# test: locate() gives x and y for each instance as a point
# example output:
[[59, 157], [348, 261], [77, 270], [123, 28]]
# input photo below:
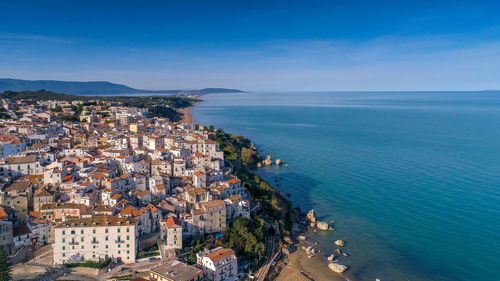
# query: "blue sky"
[[255, 45]]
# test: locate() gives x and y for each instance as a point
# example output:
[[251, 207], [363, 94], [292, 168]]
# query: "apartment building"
[[95, 238], [171, 233], [218, 264]]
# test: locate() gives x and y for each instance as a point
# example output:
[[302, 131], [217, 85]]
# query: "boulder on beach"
[[339, 243], [337, 267], [322, 225], [279, 162], [302, 238], [311, 216], [331, 258]]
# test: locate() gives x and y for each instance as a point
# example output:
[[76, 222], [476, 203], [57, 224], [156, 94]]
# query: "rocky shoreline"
[[302, 259]]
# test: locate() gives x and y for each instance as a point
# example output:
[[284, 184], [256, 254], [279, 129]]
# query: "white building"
[[18, 166], [218, 264], [95, 238]]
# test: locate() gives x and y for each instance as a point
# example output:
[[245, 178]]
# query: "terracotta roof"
[[19, 160], [35, 214], [160, 187], [220, 254], [116, 196], [3, 214], [97, 221], [213, 203], [173, 222], [233, 181]]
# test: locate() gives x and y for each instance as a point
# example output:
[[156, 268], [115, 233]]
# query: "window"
[[118, 230], [107, 246], [107, 238], [64, 248], [81, 231], [81, 239], [128, 230], [93, 231], [63, 233], [72, 232], [128, 237], [106, 230]]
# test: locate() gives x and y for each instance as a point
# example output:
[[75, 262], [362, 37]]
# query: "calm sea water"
[[412, 179]]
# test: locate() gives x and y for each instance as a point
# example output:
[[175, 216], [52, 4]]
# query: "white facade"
[[218, 264], [95, 238]]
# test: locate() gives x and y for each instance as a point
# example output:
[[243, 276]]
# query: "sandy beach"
[[297, 267], [186, 115]]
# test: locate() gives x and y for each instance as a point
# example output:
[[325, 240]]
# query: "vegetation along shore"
[[287, 226], [269, 240]]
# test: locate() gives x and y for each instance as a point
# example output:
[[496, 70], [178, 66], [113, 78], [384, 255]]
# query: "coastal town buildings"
[[113, 183], [95, 238], [218, 264]]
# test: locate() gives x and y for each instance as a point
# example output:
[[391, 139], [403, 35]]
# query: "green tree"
[[248, 156], [5, 267], [246, 238]]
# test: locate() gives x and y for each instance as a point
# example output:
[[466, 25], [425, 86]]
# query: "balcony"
[[119, 241], [73, 243], [94, 242]]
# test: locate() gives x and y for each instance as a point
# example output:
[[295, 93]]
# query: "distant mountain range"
[[93, 88]]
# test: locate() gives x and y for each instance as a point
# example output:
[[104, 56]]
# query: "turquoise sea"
[[412, 179]]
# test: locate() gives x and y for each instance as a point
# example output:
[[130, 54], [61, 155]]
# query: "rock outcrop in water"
[[337, 267], [339, 243], [279, 162], [268, 161], [311, 216], [322, 225]]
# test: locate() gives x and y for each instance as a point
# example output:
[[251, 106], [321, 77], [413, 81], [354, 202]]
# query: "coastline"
[[294, 265], [186, 116]]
